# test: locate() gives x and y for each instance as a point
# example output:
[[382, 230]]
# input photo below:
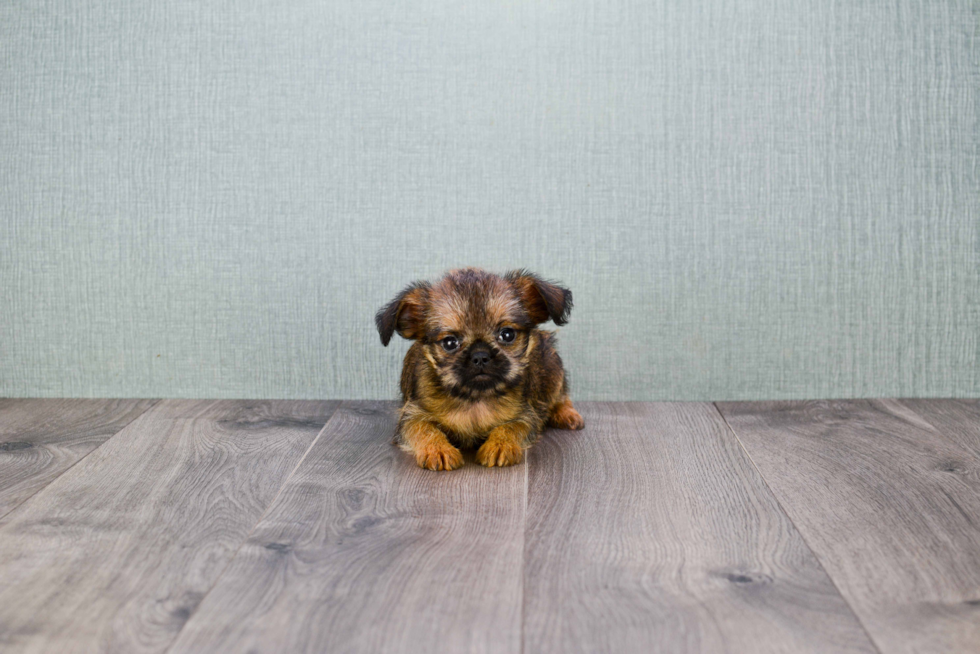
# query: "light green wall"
[[748, 199]]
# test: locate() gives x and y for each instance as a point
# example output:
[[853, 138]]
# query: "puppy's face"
[[474, 326]]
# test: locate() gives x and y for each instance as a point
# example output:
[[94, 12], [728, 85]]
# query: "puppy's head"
[[474, 326]]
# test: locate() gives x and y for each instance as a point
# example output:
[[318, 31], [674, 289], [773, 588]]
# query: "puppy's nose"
[[480, 358]]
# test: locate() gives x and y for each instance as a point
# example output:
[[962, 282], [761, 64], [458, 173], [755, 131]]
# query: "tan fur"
[[505, 445], [429, 445], [448, 312], [471, 421], [564, 416]]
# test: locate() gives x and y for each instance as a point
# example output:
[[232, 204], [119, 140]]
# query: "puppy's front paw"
[[499, 453], [439, 456], [566, 417]]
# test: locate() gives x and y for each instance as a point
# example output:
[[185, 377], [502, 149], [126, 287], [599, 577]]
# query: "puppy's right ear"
[[405, 314]]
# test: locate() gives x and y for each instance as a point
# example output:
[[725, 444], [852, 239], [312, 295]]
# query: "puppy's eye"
[[507, 335], [450, 343]]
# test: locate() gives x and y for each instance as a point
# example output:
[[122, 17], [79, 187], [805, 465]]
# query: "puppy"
[[480, 372]]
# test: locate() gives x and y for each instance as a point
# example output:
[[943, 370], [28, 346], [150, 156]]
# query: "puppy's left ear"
[[406, 314], [542, 299]]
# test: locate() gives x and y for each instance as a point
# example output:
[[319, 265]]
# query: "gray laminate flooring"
[[295, 526]]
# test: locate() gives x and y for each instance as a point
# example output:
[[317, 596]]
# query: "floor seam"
[[782, 508], [82, 458], [251, 531], [939, 431], [527, 491]]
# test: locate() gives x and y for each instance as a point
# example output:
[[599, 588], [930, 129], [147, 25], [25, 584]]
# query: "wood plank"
[[116, 553], [890, 506], [41, 438], [957, 420], [365, 552], [650, 531]]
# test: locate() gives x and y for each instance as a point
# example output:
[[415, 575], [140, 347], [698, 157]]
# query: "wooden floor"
[[289, 526]]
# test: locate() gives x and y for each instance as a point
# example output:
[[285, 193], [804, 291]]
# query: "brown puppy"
[[480, 371]]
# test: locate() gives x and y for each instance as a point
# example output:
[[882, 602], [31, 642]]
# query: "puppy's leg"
[[505, 445], [430, 446], [564, 416]]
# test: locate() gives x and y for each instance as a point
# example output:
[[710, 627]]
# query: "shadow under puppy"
[[480, 371]]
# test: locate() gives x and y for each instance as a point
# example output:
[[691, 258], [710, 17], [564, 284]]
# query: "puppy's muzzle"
[[480, 356], [483, 366]]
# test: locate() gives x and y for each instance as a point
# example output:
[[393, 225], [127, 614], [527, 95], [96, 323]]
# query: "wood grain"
[[115, 554], [41, 438], [957, 420], [366, 552], [890, 506], [650, 531]]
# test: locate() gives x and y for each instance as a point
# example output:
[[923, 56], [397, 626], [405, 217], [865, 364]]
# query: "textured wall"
[[749, 199]]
